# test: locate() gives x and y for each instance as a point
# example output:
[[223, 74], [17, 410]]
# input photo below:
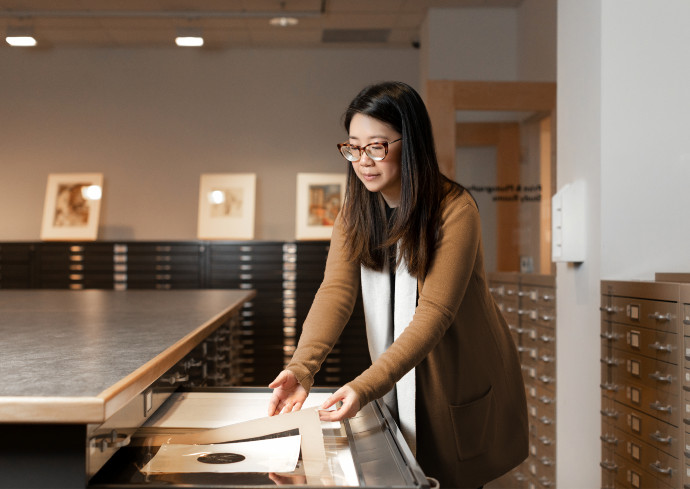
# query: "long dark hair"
[[417, 219]]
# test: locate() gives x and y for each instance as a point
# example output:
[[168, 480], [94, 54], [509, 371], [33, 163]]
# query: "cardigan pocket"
[[474, 425]]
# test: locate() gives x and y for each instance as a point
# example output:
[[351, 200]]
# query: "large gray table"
[[69, 359]]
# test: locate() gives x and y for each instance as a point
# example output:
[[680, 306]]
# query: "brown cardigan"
[[471, 410]]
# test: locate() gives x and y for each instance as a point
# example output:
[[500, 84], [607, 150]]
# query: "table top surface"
[[61, 346]]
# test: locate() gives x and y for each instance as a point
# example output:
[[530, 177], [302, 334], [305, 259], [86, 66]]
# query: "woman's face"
[[377, 176]]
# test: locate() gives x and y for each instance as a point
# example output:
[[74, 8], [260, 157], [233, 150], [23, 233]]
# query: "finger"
[[278, 381], [296, 407], [273, 405], [332, 399], [287, 407]]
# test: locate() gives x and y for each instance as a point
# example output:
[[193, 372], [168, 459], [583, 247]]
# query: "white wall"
[[577, 288], [472, 44], [645, 135], [536, 40], [153, 120]]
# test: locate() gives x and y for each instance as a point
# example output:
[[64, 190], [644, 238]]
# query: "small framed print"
[[226, 206], [72, 207], [319, 199]]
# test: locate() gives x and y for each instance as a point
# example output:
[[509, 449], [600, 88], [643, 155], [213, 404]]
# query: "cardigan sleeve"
[[330, 311], [439, 300]]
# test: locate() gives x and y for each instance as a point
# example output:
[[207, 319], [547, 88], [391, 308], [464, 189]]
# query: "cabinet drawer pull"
[[610, 439], [610, 336], [546, 379], [545, 440], [607, 309], [660, 317], [546, 482], [657, 406], [546, 400], [547, 359], [658, 436], [547, 339], [546, 421], [611, 361], [610, 466], [609, 387], [686, 321], [609, 413], [547, 318], [657, 467], [666, 379], [659, 347]]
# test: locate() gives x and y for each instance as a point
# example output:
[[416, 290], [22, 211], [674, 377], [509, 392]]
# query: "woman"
[[442, 356]]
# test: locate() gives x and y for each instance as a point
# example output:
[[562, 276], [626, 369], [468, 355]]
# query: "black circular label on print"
[[220, 458]]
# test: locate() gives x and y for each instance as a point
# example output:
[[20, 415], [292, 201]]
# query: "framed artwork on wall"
[[319, 199], [72, 206], [226, 206]]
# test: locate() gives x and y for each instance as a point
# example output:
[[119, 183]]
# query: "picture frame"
[[319, 199], [227, 204], [72, 207]]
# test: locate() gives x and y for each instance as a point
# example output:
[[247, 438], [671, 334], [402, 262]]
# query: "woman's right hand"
[[288, 394]]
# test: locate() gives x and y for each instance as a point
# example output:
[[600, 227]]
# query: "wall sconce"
[[20, 37], [189, 37]]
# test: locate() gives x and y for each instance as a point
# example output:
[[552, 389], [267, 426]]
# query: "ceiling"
[[227, 23]]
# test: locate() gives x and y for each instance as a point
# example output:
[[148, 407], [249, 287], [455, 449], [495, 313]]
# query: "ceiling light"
[[20, 37], [189, 37], [284, 21]]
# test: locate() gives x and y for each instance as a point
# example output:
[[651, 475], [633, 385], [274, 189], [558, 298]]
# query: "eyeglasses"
[[375, 151]]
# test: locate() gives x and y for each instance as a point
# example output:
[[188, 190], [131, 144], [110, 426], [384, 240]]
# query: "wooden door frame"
[[445, 97]]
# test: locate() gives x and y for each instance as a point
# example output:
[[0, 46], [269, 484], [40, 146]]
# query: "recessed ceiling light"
[[189, 37], [20, 37], [283, 21]]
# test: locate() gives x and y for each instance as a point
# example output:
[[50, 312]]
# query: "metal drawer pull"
[[546, 400], [546, 440], [661, 378], [659, 347], [658, 436], [547, 298], [657, 467], [657, 406], [546, 461], [547, 318], [610, 466], [686, 321], [547, 339], [610, 439], [609, 387], [547, 380], [660, 317], [545, 482], [611, 336], [545, 420], [608, 309], [609, 413], [611, 361], [547, 359]]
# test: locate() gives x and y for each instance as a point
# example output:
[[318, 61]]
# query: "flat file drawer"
[[636, 424], [662, 405], [628, 475], [643, 312], [647, 458], [653, 343], [632, 368]]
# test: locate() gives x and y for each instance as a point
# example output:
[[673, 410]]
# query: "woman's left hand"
[[349, 408]]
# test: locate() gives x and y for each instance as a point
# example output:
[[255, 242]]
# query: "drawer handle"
[[611, 336], [547, 380], [523, 312], [546, 400], [658, 436], [660, 317], [610, 466], [609, 387], [657, 406], [547, 339], [666, 379], [547, 298], [609, 413], [659, 347], [545, 440], [523, 349], [547, 359], [546, 421], [657, 467], [607, 309], [547, 318], [686, 321], [546, 482], [611, 361], [610, 439], [546, 461]]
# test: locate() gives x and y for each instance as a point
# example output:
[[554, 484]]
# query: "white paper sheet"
[[271, 455]]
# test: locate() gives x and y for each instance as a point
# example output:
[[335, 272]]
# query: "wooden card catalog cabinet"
[[645, 389]]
